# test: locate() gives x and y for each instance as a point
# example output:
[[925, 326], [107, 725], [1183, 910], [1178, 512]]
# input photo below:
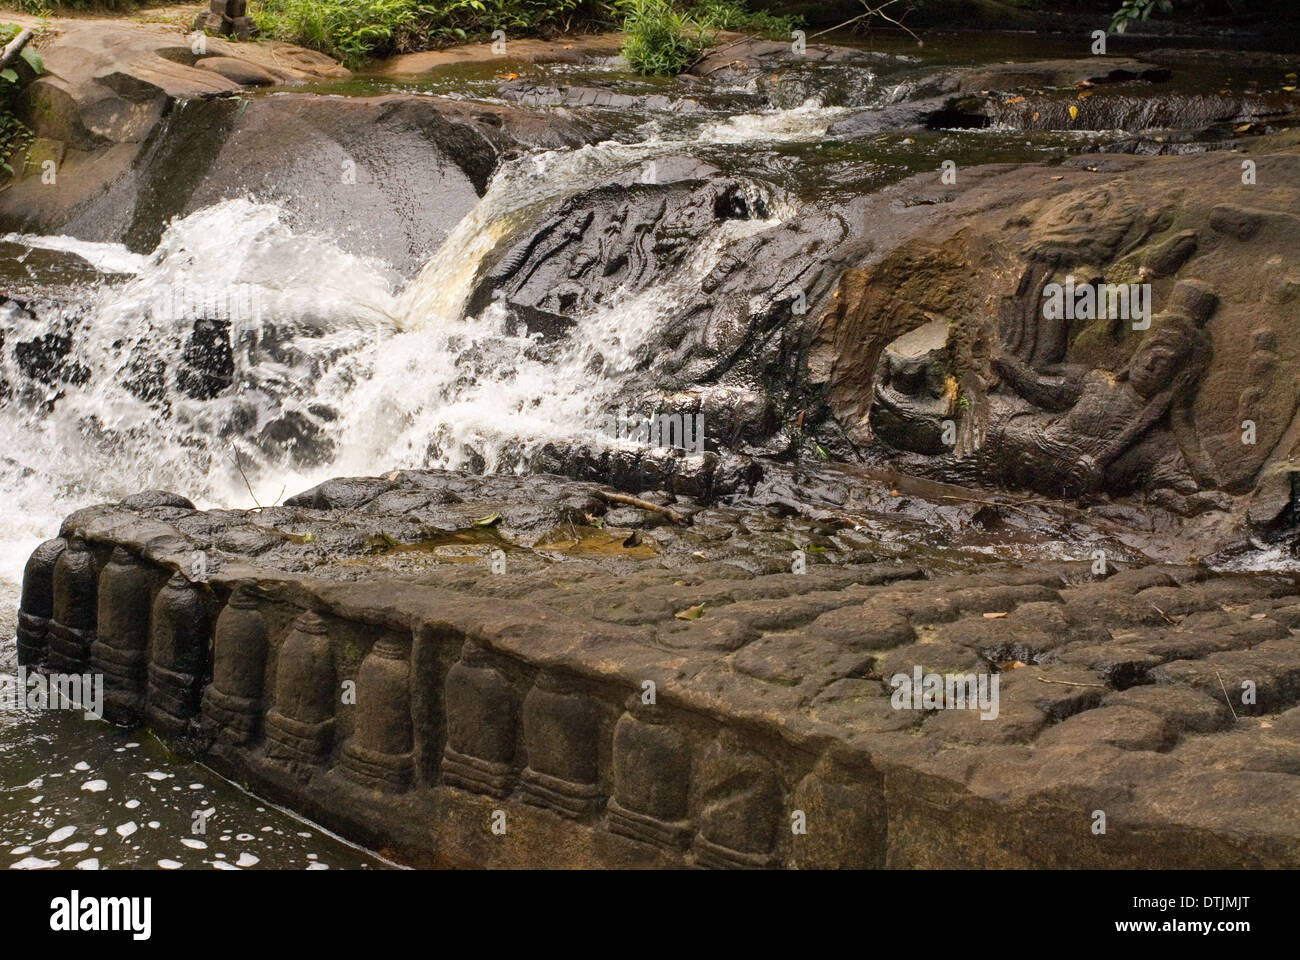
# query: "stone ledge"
[[465, 700]]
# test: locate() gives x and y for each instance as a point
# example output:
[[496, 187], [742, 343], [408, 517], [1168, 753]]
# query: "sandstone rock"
[[240, 71], [995, 356], [527, 691]]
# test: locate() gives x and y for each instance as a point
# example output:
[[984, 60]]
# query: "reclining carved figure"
[[1067, 431]]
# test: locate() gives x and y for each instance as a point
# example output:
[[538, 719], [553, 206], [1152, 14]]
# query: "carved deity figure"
[[1098, 428], [1064, 429]]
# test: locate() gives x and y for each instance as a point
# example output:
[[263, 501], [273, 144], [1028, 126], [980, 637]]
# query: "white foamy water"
[[808, 121], [328, 347], [295, 303], [105, 257]]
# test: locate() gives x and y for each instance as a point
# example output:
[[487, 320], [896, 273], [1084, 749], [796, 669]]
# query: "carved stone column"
[[481, 717], [378, 754], [232, 702], [742, 807], [72, 625], [37, 604], [561, 730], [652, 771], [121, 648], [179, 637], [301, 726]]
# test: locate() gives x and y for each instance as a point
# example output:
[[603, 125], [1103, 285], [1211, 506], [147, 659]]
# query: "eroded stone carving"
[[481, 716], [72, 625], [741, 807], [1066, 430], [179, 634], [300, 728], [652, 770], [232, 703], [379, 753], [121, 650], [561, 727], [37, 604], [843, 805]]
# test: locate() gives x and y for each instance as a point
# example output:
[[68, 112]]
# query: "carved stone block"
[[37, 604], [72, 626], [379, 754], [652, 769], [561, 727], [179, 634], [121, 648], [481, 711], [300, 728], [232, 703]]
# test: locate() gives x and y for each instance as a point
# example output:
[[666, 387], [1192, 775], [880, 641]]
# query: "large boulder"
[[145, 129], [1183, 397]]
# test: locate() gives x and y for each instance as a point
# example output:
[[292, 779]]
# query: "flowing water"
[[368, 372]]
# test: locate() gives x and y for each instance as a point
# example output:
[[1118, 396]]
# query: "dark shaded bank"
[[1192, 17]]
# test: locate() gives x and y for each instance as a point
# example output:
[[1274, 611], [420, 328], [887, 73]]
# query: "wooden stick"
[[14, 47], [631, 501], [1226, 698], [1071, 683]]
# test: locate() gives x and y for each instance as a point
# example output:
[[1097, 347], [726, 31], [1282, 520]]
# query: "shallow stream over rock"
[[534, 247]]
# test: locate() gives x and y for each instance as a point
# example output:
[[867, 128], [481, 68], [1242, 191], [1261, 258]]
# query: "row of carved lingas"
[[651, 765], [300, 727], [651, 758], [74, 617], [152, 652]]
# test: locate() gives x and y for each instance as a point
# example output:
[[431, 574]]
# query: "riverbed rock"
[[633, 707], [1008, 394], [149, 130]]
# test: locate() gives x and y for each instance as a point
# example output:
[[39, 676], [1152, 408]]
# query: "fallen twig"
[[637, 502], [1163, 614], [14, 47], [1071, 683], [876, 12], [239, 465], [1226, 698]]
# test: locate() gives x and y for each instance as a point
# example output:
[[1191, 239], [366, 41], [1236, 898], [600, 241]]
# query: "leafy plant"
[[46, 7], [357, 30], [14, 134], [1131, 10], [733, 15], [660, 39]]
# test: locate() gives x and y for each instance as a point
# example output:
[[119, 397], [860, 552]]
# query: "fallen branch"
[[876, 12], [1072, 683], [239, 465], [1226, 698], [637, 502], [1168, 618], [14, 47]]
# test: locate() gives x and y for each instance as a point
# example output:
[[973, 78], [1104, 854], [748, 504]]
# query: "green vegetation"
[[14, 134], [733, 15], [356, 30], [664, 36], [661, 39], [1137, 10], [44, 8]]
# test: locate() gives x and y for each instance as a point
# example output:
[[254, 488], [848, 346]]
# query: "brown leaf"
[[995, 616], [690, 613]]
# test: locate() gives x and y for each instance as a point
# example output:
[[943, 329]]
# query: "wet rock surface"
[[143, 129], [634, 690], [654, 658], [1152, 405]]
